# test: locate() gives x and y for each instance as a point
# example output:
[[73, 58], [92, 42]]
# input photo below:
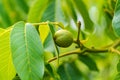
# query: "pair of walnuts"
[[63, 38]]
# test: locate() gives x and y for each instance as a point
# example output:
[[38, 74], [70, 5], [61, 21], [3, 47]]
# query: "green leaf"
[[49, 13], [117, 77], [47, 38], [27, 51], [52, 29], [44, 31], [69, 10], [7, 71], [49, 44], [59, 15], [36, 11], [5, 19], [116, 19], [89, 62], [108, 29], [118, 66], [69, 71], [83, 10], [49, 68], [19, 7], [22, 5], [62, 72], [54, 13], [12, 9]]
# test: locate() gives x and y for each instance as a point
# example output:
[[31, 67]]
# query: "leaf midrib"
[[27, 52]]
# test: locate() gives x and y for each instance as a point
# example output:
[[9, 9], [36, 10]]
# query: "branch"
[[79, 27], [66, 54], [45, 23], [90, 50], [116, 44], [77, 51]]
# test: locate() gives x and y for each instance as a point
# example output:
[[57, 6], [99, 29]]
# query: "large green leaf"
[[116, 19], [7, 71], [83, 11], [27, 51], [37, 10]]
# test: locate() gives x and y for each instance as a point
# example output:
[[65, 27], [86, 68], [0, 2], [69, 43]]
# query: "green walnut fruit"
[[63, 38]]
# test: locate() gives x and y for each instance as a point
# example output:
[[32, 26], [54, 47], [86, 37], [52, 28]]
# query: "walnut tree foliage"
[[28, 50]]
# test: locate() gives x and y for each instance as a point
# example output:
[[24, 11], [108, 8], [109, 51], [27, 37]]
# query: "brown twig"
[[78, 36]]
